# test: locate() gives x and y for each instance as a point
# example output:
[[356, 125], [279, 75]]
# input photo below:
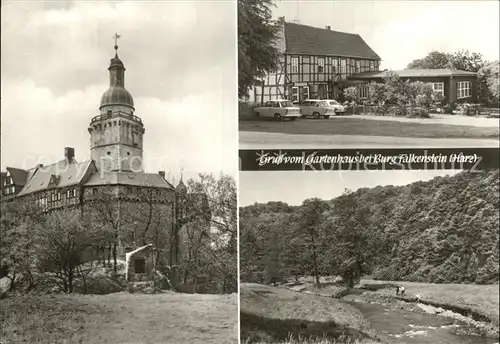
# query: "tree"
[[107, 219], [489, 80], [212, 230], [466, 60], [61, 242], [17, 250], [310, 218], [433, 60], [257, 51], [351, 93]]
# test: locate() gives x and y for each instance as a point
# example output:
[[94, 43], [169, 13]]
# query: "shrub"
[[420, 112], [351, 94]]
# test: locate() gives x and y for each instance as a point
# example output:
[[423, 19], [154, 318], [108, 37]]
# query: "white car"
[[278, 110], [321, 108]]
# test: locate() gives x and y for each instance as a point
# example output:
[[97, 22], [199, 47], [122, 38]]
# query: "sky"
[[293, 187], [181, 71], [402, 31]]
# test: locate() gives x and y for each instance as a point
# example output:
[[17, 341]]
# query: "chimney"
[[69, 153], [328, 27], [39, 165], [282, 19], [162, 174]]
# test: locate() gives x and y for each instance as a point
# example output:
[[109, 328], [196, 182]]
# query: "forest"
[[440, 231]]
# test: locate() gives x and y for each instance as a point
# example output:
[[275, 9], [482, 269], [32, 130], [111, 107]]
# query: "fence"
[[393, 111], [417, 111]]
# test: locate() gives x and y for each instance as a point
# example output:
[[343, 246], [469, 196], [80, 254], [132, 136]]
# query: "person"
[[397, 290], [402, 290]]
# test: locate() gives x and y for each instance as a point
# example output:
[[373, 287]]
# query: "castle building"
[[144, 208]]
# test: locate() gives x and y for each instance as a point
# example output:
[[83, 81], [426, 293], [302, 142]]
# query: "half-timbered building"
[[314, 63]]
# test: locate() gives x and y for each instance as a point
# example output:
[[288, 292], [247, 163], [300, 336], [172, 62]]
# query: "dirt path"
[[438, 118], [262, 140], [369, 132]]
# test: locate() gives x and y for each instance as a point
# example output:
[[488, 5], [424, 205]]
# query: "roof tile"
[[303, 39], [128, 178]]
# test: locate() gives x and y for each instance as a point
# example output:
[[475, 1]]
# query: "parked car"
[[278, 110], [321, 108]]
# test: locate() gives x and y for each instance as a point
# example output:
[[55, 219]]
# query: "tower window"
[[109, 153], [109, 112], [128, 153], [94, 191]]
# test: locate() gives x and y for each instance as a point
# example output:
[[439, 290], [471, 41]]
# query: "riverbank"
[[385, 317], [271, 315], [482, 300]]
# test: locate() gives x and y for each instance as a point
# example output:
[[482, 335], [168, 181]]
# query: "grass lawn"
[[120, 318], [358, 126], [483, 299], [271, 315]]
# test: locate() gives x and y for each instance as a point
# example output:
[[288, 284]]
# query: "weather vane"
[[116, 36]]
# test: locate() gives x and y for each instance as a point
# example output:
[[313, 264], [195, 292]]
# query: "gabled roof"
[[128, 178], [67, 174], [19, 177], [303, 39], [142, 248], [414, 73]]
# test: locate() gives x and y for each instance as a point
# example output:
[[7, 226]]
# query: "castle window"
[[94, 191], [128, 153], [74, 193], [109, 112], [68, 194], [58, 196], [109, 153]]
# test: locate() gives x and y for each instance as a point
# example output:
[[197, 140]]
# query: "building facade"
[[453, 85], [145, 206], [313, 63]]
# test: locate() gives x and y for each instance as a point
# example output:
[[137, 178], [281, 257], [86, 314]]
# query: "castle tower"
[[116, 135], [181, 191]]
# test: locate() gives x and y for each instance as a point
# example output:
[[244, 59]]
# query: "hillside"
[[120, 318], [442, 231]]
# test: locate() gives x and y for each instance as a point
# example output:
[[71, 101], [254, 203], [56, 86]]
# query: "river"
[[407, 327]]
